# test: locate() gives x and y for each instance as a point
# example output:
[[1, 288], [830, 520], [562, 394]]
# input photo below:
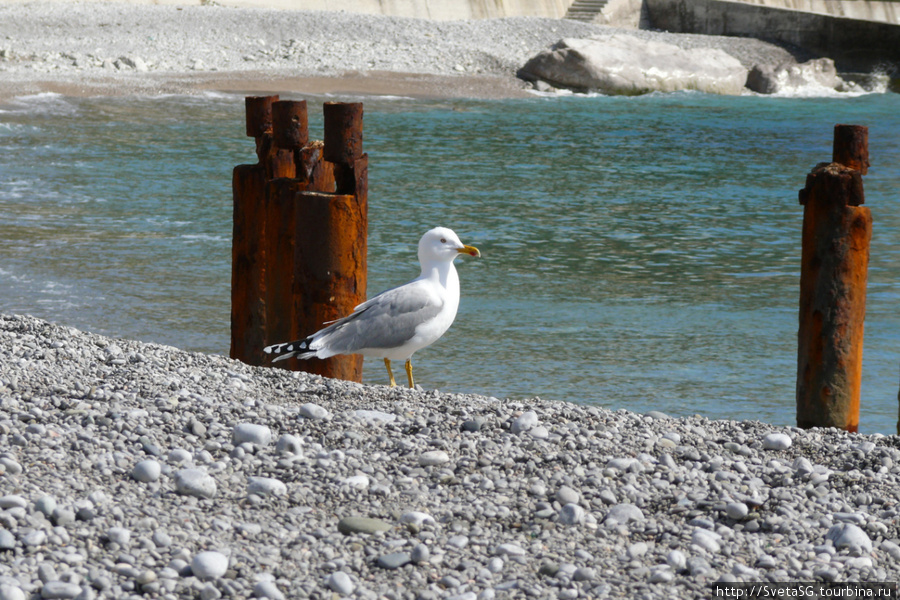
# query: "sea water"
[[638, 253]]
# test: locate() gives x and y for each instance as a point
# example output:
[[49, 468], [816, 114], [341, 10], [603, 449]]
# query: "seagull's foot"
[[409, 376], [387, 363]]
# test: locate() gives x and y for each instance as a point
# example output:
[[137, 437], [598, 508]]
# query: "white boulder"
[[626, 65]]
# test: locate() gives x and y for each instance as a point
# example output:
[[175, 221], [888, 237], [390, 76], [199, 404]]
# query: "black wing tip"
[[282, 351]]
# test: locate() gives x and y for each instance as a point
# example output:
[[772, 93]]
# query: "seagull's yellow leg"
[[409, 373], [387, 363]]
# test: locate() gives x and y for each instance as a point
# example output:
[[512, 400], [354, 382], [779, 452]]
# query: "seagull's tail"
[[298, 348]]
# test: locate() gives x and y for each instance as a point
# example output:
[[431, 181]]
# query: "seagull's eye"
[[443, 240]]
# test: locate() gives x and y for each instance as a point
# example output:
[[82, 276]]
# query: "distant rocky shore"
[[113, 48]]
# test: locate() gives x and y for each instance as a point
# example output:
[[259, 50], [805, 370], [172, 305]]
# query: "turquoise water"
[[639, 253]]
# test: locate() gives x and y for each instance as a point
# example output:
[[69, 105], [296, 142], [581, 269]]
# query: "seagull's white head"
[[442, 245]]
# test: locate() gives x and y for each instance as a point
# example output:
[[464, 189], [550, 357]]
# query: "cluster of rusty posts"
[[300, 243], [833, 273], [300, 231]]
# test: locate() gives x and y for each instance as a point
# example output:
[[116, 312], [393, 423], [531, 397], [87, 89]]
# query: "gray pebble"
[[349, 525], [848, 535], [341, 583], [571, 514], [59, 590], [313, 411], [395, 560], [7, 540], [566, 495]]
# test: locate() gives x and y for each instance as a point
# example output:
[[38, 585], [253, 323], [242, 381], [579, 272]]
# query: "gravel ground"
[[132, 470], [114, 47]]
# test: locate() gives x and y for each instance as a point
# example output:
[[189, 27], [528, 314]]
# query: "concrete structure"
[[854, 44]]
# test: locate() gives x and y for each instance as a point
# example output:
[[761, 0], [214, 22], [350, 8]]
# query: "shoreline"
[[135, 468], [414, 85]]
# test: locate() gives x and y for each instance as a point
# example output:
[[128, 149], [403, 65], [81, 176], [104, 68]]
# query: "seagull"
[[399, 321]]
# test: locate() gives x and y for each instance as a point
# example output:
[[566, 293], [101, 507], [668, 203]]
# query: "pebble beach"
[[103, 48], [133, 470]]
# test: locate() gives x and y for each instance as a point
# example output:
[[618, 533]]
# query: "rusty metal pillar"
[[248, 315], [833, 274], [332, 236]]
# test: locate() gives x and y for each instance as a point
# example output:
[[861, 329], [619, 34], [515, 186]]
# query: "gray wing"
[[387, 320]]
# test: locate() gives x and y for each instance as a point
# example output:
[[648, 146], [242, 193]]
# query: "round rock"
[[433, 458], [776, 441], [251, 433], [147, 471], [209, 565], [340, 583], [194, 482], [266, 486]]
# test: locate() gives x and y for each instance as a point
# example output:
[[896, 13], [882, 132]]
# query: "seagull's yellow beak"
[[470, 250]]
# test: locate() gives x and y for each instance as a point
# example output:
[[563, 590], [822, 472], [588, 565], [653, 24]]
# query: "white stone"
[[628, 65], [341, 583], [706, 539], [209, 565], [736, 510], [11, 592], [357, 482], [433, 458], [566, 495], [119, 535], [375, 416], [314, 411], [266, 486], [676, 559], [623, 513], [510, 550], [147, 471], [524, 422], [776, 441], [571, 514], [289, 445], [13, 501], [251, 433], [417, 518], [848, 535], [267, 589], [194, 482]]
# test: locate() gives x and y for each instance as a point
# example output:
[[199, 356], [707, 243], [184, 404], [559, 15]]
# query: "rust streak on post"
[[247, 266], [280, 211], [834, 267], [248, 315], [330, 271]]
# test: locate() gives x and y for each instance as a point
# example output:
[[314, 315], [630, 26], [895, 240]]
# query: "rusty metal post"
[[301, 230], [833, 274], [248, 317], [331, 236]]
